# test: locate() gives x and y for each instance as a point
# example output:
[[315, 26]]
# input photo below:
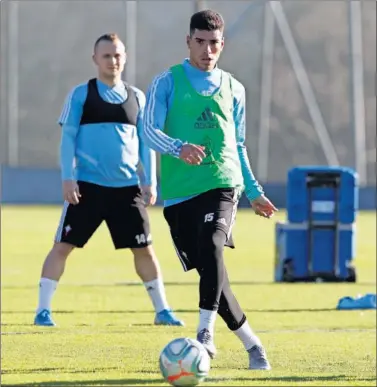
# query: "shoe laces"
[[204, 336], [259, 351]]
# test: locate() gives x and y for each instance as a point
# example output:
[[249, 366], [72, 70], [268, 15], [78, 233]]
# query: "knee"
[[218, 240], [146, 253], [61, 250], [211, 254], [214, 246]]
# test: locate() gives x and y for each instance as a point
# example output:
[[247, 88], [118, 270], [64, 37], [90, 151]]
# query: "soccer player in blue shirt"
[[195, 117], [100, 151]]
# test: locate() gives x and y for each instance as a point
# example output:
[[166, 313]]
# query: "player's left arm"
[[253, 190], [147, 156]]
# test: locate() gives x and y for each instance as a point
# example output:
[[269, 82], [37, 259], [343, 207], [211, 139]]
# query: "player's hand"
[[263, 207], [149, 195], [192, 154], [71, 192]]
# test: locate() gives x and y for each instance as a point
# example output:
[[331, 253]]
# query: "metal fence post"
[[357, 105], [130, 41], [12, 83], [266, 93]]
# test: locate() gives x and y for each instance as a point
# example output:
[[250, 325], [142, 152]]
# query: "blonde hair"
[[110, 37]]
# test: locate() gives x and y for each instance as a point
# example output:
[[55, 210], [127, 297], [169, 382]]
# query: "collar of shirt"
[[197, 72], [119, 87]]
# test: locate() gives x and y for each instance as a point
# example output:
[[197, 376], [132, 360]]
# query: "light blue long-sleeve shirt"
[[106, 154], [159, 100]]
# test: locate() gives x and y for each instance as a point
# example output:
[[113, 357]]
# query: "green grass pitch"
[[106, 335]]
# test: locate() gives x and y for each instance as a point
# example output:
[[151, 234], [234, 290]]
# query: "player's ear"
[[188, 39], [94, 58]]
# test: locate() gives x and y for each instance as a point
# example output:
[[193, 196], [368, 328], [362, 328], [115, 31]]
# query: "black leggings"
[[214, 288], [200, 227]]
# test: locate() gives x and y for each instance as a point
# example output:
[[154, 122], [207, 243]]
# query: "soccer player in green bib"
[[195, 117]]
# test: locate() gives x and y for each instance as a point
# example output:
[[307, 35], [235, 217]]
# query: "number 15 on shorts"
[[209, 217]]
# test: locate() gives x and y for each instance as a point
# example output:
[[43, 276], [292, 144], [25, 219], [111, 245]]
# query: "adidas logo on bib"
[[207, 120]]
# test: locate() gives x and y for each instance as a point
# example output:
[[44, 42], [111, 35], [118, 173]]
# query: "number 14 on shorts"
[[141, 238]]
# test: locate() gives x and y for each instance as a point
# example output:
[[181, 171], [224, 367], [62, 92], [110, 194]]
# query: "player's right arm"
[[156, 110], [69, 120]]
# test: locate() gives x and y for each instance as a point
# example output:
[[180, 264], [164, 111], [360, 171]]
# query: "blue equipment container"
[[318, 241]]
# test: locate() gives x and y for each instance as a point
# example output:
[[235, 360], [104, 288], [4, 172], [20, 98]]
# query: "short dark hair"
[[110, 37], [207, 20]]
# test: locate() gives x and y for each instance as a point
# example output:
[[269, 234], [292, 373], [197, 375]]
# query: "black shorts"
[[198, 217], [122, 209]]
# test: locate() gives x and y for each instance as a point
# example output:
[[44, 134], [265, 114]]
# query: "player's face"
[[205, 48], [110, 58]]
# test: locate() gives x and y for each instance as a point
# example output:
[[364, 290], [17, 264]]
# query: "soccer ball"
[[184, 362]]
